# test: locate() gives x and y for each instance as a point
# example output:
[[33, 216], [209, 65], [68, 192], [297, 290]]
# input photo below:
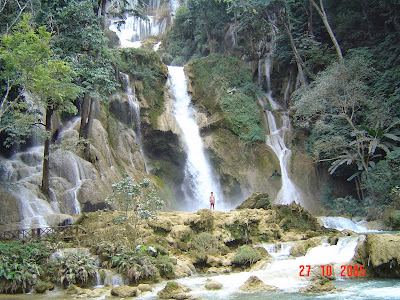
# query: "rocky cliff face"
[[82, 185]]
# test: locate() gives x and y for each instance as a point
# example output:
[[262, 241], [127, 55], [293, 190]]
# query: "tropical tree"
[[137, 198], [321, 11], [32, 65], [333, 108]]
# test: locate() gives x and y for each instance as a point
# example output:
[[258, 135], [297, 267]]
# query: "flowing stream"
[[199, 180]]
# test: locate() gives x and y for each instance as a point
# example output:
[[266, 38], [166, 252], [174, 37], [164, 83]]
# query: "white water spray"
[[276, 141], [133, 29], [199, 181]]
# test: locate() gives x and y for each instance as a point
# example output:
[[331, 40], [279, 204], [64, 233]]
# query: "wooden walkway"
[[58, 232]]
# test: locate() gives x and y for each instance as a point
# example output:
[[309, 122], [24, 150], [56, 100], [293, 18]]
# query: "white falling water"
[[276, 140], [135, 108], [341, 223], [199, 181], [133, 29], [281, 271]]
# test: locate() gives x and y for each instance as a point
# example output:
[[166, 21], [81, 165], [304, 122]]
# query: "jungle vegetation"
[[345, 52]]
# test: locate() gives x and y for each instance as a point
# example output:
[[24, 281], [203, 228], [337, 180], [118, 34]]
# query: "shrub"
[[246, 256], [73, 268], [394, 219], [21, 265], [203, 244]]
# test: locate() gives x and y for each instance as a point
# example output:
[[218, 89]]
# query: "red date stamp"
[[346, 271]]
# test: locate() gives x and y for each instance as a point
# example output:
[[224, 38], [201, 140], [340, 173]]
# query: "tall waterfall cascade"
[[199, 180], [133, 30], [276, 133]]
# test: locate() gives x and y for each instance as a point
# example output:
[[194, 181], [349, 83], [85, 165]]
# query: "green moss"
[[246, 256], [146, 67], [224, 85], [394, 219], [294, 217]]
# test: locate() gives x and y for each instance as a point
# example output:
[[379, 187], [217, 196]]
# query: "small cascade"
[[199, 180], [135, 108], [341, 223], [281, 271]]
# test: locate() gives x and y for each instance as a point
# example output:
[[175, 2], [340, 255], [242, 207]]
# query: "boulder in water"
[[319, 286], [174, 290], [380, 253], [124, 291], [254, 284], [213, 285], [43, 286]]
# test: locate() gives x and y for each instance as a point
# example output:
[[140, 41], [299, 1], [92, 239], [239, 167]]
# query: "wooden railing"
[[56, 232]]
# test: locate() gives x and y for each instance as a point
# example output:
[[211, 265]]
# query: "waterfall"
[[341, 223], [132, 30], [276, 140], [276, 135], [281, 270], [135, 108], [199, 180]]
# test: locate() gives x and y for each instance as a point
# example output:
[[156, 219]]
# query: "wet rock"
[[124, 291], [380, 254], [254, 284], [318, 273], [213, 285], [144, 287], [301, 247], [43, 286], [174, 290], [319, 286]]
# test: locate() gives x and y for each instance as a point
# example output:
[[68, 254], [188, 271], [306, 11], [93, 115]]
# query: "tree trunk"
[[46, 155], [208, 32], [321, 11], [299, 61], [87, 112]]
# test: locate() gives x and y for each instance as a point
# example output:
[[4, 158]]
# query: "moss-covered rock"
[[257, 200], [254, 284], [319, 286], [174, 290], [380, 254], [124, 291]]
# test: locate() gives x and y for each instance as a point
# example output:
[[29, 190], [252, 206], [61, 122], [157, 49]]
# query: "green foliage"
[[146, 67], [246, 256], [394, 219], [135, 265], [21, 265], [204, 244], [81, 41], [129, 196], [73, 268], [224, 83], [197, 31]]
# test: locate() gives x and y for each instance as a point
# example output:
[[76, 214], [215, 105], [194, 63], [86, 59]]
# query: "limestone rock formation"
[[254, 284], [380, 254], [124, 291], [174, 290], [319, 286], [213, 285]]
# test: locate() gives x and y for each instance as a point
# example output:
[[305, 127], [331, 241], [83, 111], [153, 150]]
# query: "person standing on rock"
[[212, 201]]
